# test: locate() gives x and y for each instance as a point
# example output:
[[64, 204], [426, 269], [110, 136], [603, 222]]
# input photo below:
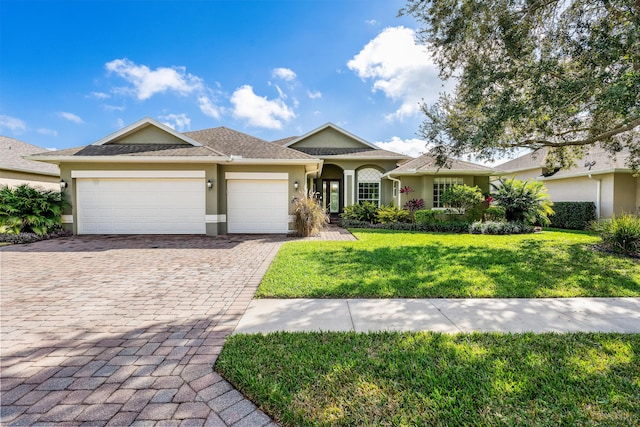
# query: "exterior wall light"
[[296, 184], [209, 184], [63, 184]]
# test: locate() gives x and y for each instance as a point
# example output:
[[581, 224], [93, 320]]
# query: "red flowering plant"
[[411, 205]]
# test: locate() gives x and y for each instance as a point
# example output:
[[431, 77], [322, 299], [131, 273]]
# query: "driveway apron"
[[124, 330]]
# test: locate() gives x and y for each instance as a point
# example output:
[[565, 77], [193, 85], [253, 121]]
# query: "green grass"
[[404, 264], [415, 379]]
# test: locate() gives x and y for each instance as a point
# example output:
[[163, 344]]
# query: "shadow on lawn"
[[530, 268], [435, 379]]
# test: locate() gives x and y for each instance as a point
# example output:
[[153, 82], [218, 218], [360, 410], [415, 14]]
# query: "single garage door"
[[257, 206], [140, 205]]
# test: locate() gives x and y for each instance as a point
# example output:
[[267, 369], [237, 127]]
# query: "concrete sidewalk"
[[443, 315]]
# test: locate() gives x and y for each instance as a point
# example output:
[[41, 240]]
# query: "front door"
[[331, 200]]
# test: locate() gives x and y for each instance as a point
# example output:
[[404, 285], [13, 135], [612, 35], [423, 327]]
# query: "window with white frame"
[[440, 184], [369, 185]]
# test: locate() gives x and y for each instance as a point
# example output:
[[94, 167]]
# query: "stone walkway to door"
[[124, 330]]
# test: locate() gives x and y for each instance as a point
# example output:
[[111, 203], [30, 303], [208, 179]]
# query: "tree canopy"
[[563, 74]]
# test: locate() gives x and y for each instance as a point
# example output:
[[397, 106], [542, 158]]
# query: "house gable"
[[329, 136], [147, 132]]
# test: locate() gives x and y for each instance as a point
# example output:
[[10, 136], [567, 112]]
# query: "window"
[[369, 185], [440, 184]]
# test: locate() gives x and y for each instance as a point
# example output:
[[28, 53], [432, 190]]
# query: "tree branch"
[[588, 141]]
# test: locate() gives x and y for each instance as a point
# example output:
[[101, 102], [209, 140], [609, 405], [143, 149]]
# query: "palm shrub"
[[390, 214], [365, 211], [619, 233], [523, 201], [309, 214], [25, 209]]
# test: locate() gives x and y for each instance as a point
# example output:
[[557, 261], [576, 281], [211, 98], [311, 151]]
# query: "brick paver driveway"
[[124, 330]]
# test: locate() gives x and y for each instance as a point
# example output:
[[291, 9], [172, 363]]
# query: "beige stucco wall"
[[422, 186], [328, 138], [530, 175], [149, 135], [14, 179], [625, 193]]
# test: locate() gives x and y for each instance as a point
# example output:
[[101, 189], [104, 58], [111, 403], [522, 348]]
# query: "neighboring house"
[[428, 181], [150, 179], [15, 170], [597, 177]]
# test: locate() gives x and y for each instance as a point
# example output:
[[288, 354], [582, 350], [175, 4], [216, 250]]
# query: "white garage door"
[[141, 206], [257, 206]]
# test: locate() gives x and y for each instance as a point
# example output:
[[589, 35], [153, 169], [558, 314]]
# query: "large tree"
[[533, 74]]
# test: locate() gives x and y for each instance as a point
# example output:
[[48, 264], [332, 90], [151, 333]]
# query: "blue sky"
[[72, 72]]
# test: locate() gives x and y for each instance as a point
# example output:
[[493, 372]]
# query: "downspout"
[[598, 186], [399, 186]]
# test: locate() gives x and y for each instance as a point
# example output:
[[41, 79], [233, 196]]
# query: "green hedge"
[[573, 215], [442, 227]]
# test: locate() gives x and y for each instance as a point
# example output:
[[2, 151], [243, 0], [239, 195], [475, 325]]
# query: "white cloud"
[[113, 108], [260, 111], [119, 123], [147, 82], [371, 22], [314, 95], [413, 147], [13, 124], [99, 95], [285, 74], [48, 132], [179, 122], [70, 116], [400, 68], [208, 108]]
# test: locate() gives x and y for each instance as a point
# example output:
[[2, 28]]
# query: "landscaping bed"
[[407, 379], [387, 264]]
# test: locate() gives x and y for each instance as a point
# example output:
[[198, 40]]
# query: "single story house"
[[15, 170], [597, 177], [148, 178]]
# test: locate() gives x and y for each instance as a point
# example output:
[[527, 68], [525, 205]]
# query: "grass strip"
[[418, 379], [385, 264]]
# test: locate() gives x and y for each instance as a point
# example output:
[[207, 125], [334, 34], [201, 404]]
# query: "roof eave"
[[171, 159], [440, 172], [35, 172], [585, 173]]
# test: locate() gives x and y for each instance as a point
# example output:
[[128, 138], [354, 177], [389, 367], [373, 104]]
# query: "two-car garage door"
[[145, 203]]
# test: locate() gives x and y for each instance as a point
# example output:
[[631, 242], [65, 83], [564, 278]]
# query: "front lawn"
[[414, 379], [384, 264]]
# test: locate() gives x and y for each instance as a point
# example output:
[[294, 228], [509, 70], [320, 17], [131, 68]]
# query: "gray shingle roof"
[[531, 160], [231, 142], [594, 161], [11, 157], [427, 164], [159, 150]]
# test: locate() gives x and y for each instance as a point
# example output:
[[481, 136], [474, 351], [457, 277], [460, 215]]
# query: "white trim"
[[142, 123], [352, 174], [583, 174], [67, 219], [212, 219], [136, 174], [257, 175]]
